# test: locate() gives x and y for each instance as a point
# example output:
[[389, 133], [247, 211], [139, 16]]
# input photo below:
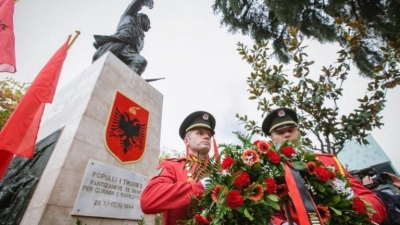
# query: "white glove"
[[205, 181], [286, 223]]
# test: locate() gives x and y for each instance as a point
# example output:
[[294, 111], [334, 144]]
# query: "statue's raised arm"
[[136, 5]]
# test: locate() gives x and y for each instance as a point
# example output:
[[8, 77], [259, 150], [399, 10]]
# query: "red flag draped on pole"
[[19, 134], [7, 39]]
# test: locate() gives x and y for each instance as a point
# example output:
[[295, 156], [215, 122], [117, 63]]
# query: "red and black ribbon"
[[306, 210]]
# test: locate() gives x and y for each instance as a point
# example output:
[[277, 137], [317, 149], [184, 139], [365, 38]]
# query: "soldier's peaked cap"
[[197, 119], [278, 119]]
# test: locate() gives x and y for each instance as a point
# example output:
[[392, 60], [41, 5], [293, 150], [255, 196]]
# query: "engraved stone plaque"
[[111, 192]]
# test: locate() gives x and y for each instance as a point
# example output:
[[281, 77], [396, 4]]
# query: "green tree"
[[11, 92], [316, 99], [169, 153], [270, 20]]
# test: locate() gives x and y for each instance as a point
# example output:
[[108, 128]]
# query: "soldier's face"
[[198, 141], [288, 133]]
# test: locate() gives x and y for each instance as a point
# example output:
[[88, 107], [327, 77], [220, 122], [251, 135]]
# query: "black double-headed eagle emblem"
[[129, 132]]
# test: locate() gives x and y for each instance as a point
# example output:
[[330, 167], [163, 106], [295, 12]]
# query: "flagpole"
[[73, 39]]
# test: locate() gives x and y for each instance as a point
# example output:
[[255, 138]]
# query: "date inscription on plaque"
[[110, 192]]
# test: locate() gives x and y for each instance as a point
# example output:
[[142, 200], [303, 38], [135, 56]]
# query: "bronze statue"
[[127, 42], [21, 178]]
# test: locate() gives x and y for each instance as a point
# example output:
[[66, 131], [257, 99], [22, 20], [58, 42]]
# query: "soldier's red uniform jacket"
[[356, 186], [169, 192]]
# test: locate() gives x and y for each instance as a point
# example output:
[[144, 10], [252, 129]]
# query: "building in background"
[[355, 156]]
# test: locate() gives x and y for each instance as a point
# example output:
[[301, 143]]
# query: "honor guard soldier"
[[281, 125], [170, 190]]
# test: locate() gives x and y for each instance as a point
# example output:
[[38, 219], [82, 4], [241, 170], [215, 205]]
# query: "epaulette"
[[176, 159], [320, 154], [337, 162]]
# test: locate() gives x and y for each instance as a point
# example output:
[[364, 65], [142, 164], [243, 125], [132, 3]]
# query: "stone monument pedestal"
[[82, 108]]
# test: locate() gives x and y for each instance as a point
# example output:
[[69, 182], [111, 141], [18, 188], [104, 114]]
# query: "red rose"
[[288, 151], [234, 199], [322, 174], [359, 206], [201, 219], [270, 184], [274, 157], [242, 180], [227, 162]]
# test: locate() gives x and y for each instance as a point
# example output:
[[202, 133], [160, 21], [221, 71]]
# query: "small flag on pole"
[[19, 134], [7, 39]]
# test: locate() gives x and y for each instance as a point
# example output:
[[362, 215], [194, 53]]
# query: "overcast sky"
[[187, 46]]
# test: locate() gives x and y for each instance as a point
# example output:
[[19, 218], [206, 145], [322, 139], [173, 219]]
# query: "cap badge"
[[281, 113], [205, 116]]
